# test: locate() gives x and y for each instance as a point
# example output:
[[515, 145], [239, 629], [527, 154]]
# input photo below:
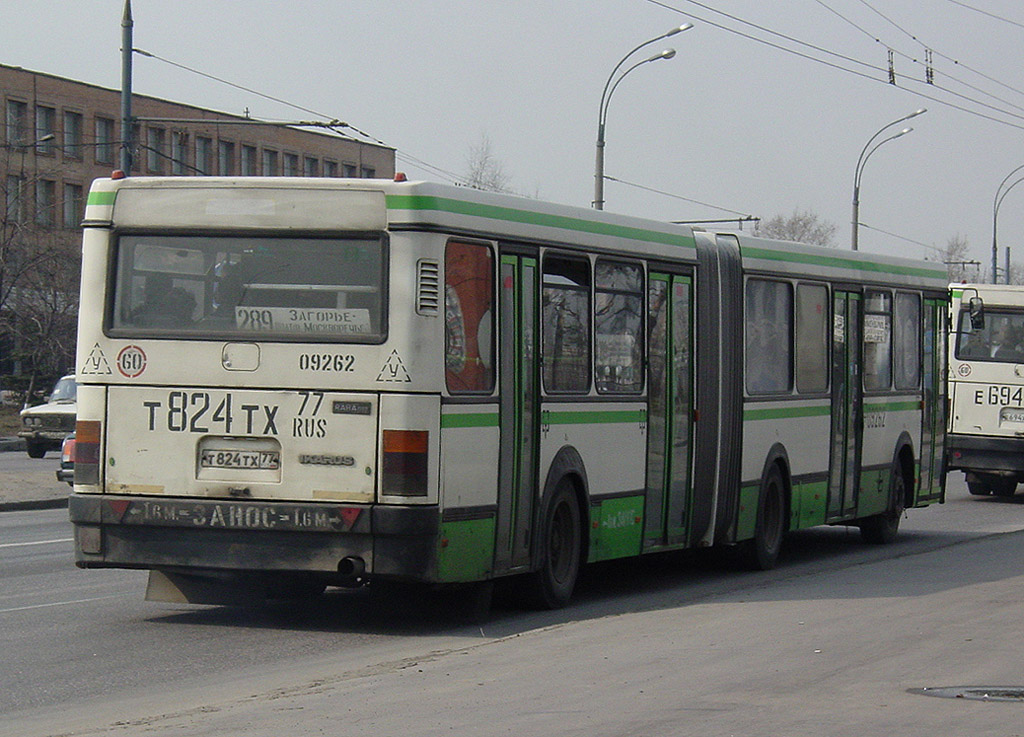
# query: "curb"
[[58, 503], [9, 444]]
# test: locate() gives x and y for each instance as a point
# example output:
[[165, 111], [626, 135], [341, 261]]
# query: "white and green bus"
[[986, 387], [287, 384]]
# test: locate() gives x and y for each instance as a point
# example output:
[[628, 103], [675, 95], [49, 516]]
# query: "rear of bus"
[[986, 386], [255, 414]]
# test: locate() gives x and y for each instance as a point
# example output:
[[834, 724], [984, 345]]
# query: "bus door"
[[933, 405], [847, 405], [670, 410], [519, 410]]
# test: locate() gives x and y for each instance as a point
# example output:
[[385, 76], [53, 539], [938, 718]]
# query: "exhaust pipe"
[[351, 567]]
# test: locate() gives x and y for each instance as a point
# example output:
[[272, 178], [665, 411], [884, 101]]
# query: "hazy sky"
[[730, 121]]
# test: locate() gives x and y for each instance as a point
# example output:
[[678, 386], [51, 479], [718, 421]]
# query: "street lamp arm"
[[674, 31], [881, 130], [861, 164], [666, 54]]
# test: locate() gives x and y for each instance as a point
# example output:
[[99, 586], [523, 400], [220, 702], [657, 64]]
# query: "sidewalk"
[[36, 488]]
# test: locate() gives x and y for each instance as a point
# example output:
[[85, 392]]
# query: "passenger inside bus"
[[164, 305]]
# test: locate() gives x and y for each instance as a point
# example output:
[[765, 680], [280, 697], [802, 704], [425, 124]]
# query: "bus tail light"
[[404, 463], [87, 452]]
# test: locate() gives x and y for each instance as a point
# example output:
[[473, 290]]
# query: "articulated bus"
[[986, 387], [288, 384]]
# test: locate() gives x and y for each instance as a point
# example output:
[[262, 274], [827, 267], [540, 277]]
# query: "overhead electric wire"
[[985, 12], [335, 124], [680, 197], [830, 64], [950, 59]]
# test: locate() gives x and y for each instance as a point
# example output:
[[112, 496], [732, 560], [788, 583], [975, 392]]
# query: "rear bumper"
[[196, 535], [973, 453]]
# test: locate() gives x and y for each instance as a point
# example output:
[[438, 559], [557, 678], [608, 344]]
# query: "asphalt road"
[[828, 643]]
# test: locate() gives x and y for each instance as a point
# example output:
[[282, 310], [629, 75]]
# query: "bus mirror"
[[977, 312]]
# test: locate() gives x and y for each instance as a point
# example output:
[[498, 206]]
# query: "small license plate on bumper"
[[263, 460]]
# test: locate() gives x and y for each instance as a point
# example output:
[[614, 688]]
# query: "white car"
[[45, 427]]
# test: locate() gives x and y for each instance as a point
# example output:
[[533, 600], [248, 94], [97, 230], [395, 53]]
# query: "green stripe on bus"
[[476, 419], [585, 417], [101, 198], [527, 217], [838, 262], [779, 413]]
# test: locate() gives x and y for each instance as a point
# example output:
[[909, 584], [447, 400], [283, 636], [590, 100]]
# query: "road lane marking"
[[61, 603], [37, 542]]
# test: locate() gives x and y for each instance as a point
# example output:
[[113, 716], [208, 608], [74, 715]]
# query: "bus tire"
[[762, 553], [881, 529], [551, 585], [36, 450]]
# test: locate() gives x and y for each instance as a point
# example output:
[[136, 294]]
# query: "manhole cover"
[[975, 693]]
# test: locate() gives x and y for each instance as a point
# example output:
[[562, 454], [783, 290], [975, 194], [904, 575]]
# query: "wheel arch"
[[778, 457], [566, 465], [903, 458]]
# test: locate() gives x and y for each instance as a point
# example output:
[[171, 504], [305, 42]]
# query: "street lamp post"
[[865, 154], [997, 201], [606, 96]]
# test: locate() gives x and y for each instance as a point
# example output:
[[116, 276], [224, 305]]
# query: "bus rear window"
[[262, 288]]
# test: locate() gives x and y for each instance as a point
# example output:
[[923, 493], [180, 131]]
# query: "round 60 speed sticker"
[[131, 361]]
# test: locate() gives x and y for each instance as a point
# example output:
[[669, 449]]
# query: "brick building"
[[59, 134]]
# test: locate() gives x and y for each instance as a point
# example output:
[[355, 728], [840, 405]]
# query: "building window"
[[226, 158], [566, 321], [204, 155], [179, 153], [15, 210], [618, 327], [72, 134], [46, 201], [877, 341], [155, 154], [291, 165], [769, 331], [248, 166], [46, 129], [17, 122], [330, 168], [73, 205], [311, 167], [269, 163], [368, 172], [350, 170], [104, 141]]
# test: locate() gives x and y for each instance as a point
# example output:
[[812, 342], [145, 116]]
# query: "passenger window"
[[769, 341], [468, 318], [906, 332], [877, 341], [566, 317], [618, 327]]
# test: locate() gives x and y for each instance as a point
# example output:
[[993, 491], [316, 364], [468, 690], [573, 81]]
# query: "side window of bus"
[[618, 326], [468, 317], [566, 321], [877, 341], [769, 321], [812, 338], [906, 338]]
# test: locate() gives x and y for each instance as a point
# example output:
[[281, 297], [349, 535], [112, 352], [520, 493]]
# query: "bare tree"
[[956, 256], [803, 226], [484, 170]]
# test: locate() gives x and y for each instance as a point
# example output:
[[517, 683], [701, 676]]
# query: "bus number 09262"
[[326, 362]]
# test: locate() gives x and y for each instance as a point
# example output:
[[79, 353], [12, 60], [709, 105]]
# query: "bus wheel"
[[978, 488], [550, 587], [36, 450], [881, 529], [762, 553]]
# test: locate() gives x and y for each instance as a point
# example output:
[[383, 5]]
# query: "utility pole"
[[127, 26]]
